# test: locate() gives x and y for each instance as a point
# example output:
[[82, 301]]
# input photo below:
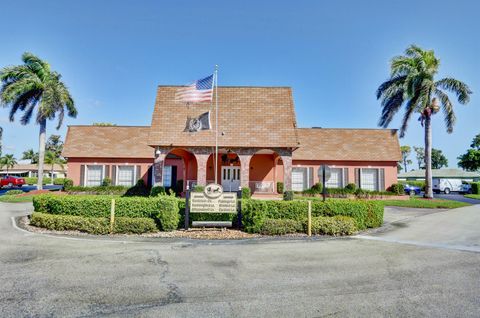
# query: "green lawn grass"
[[473, 196], [424, 203], [15, 199]]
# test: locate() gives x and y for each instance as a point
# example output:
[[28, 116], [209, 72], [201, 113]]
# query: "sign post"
[[187, 208]]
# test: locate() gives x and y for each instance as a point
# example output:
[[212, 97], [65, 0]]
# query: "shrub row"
[[366, 214], [112, 190], [475, 187], [164, 209], [92, 225], [56, 181], [336, 225], [13, 192]]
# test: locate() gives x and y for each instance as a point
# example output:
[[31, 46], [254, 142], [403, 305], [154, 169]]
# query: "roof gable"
[[347, 144], [248, 117]]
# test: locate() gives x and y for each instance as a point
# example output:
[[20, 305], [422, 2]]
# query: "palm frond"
[[410, 108], [458, 87], [447, 108], [391, 106], [396, 81]]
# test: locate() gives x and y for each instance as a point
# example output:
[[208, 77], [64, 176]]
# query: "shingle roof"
[[107, 142], [347, 144], [248, 117], [440, 173]]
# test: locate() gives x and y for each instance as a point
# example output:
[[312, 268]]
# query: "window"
[[369, 179], [302, 178], [336, 178], [167, 176], [126, 175], [94, 176]]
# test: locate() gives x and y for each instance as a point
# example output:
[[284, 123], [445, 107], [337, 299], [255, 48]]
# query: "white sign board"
[[213, 200]]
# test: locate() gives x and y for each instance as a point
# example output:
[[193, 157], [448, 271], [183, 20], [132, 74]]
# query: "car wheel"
[[20, 185], [447, 190], [10, 185]]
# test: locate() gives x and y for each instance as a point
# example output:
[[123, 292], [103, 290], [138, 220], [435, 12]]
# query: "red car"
[[11, 181]]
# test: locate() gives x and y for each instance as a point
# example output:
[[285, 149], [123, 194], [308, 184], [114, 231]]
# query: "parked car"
[[447, 185], [412, 190], [9, 181], [466, 188]]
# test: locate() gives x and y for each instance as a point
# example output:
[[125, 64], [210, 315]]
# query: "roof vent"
[[316, 127]]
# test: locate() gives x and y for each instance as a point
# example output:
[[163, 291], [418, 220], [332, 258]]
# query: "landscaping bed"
[[473, 196]]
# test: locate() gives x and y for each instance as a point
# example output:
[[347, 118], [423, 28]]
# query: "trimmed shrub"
[[138, 190], [397, 188], [351, 187], [317, 188], [164, 209], [156, 191], [198, 188], [279, 187], [92, 225], [246, 193], [288, 195], [106, 182], [67, 184], [335, 225], [13, 192], [365, 213], [111, 190], [475, 187], [280, 227], [34, 180]]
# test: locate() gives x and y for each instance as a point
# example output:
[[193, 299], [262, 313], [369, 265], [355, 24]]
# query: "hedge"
[[280, 227], [116, 190], [366, 214], [92, 225], [475, 187], [336, 225], [46, 180], [13, 192], [164, 209]]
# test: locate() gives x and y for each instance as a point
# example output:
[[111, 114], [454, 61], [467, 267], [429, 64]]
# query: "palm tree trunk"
[[428, 157], [41, 152]]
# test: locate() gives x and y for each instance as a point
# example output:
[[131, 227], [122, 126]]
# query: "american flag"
[[199, 91]]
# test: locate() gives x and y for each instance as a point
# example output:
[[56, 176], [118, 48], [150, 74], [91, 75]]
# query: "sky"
[[334, 55]]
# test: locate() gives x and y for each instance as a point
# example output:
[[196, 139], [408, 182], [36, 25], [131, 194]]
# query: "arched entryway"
[[179, 170], [228, 170], [266, 169]]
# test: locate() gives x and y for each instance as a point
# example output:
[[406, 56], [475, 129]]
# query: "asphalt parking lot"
[[52, 276]]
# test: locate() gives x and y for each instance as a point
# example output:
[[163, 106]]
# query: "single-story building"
[[31, 170], [259, 146], [446, 173]]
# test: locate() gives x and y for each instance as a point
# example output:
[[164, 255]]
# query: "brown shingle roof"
[[347, 144], [107, 142], [248, 117]]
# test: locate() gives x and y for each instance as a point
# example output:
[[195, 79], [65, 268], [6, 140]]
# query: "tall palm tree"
[[34, 86], [412, 83], [8, 161], [52, 159], [31, 155]]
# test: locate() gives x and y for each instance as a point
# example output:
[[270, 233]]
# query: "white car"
[[447, 185]]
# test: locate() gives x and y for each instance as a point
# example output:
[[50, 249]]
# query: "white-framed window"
[[167, 176], [126, 175], [94, 175], [370, 179], [336, 178], [302, 178]]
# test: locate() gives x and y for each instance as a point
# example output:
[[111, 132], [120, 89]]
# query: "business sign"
[[213, 200]]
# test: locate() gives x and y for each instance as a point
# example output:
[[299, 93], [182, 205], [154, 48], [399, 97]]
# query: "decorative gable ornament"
[[201, 122]]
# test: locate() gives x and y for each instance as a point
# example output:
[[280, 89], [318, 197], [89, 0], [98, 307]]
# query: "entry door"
[[230, 178]]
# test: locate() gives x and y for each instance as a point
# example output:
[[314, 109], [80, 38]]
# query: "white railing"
[[262, 186]]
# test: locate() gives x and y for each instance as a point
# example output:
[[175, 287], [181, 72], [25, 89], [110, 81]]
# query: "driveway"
[[456, 197], [51, 276]]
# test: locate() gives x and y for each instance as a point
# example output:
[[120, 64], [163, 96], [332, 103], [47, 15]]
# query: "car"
[[466, 188], [412, 190], [10, 181], [447, 185]]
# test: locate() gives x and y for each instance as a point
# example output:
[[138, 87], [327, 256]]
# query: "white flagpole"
[[216, 122]]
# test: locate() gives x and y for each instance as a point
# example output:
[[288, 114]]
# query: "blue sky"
[[334, 54]]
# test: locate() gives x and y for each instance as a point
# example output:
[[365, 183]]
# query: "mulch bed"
[[35, 192]]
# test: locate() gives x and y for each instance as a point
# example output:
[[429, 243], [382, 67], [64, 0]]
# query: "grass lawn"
[[15, 199], [424, 203], [473, 196]]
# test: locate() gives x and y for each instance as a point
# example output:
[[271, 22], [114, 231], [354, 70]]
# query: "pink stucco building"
[[259, 146]]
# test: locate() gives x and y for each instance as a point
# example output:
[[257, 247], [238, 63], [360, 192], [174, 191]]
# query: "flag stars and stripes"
[[199, 91]]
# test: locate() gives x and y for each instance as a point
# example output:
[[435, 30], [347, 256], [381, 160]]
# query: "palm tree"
[[31, 155], [412, 83], [8, 161], [31, 86], [52, 159]]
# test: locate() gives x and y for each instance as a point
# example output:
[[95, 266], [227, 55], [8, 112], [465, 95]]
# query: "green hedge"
[[280, 227], [92, 225], [475, 187], [13, 192], [366, 214], [116, 190], [336, 225], [164, 209]]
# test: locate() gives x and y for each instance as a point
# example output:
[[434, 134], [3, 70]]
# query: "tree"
[[420, 155], [8, 161], [406, 150], [470, 160], [1, 136], [412, 84], [34, 86], [438, 159], [55, 145], [52, 159], [31, 155]]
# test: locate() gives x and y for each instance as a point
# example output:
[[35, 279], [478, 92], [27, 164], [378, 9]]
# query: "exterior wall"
[[74, 165], [262, 168], [389, 166]]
